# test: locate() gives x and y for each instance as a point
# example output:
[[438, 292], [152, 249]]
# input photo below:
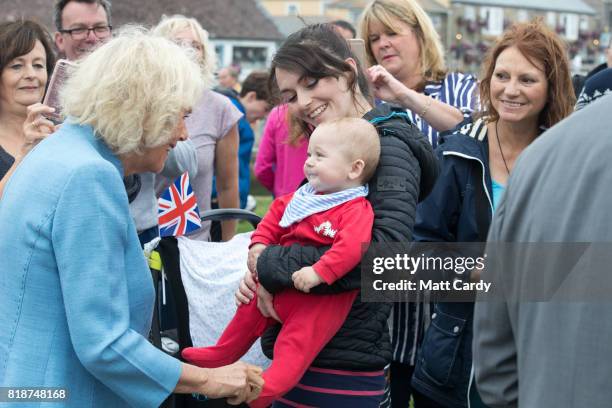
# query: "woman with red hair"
[[525, 88]]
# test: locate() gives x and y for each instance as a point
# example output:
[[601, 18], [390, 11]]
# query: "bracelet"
[[199, 397], [426, 108]]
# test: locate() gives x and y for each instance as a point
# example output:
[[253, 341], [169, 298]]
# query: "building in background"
[[477, 23], [291, 15], [468, 27], [246, 33], [241, 31]]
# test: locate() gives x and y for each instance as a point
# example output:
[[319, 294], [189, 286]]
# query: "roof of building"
[[223, 19], [563, 6], [431, 6], [290, 24]]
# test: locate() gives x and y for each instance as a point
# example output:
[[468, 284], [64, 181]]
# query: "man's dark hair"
[[61, 4], [346, 25], [257, 82]]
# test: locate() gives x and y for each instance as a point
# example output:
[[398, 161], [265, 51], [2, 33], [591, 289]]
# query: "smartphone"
[[357, 46], [61, 73]]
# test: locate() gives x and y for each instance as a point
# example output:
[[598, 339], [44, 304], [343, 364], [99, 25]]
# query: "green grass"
[[263, 203]]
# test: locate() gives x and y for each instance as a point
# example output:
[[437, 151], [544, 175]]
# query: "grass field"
[[263, 203]]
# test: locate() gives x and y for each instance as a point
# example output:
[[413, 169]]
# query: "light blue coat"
[[76, 296]]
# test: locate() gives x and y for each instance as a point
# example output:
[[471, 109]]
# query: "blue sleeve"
[[437, 215], [94, 249], [247, 139]]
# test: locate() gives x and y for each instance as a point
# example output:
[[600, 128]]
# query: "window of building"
[[293, 9], [522, 15], [220, 52], [469, 13], [551, 19], [494, 16], [570, 22], [584, 23], [249, 57], [436, 19]]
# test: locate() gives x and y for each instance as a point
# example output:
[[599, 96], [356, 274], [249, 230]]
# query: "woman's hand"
[[246, 290], [238, 382], [248, 285], [36, 127], [386, 87], [265, 304]]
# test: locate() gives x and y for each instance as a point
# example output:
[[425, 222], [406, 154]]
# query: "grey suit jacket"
[[555, 353]]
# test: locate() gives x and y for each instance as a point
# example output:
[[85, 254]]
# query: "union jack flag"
[[178, 209]]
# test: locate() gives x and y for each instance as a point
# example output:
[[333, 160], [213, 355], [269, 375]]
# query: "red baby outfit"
[[309, 321]]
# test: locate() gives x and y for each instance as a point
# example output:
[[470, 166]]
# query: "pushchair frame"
[[166, 256]]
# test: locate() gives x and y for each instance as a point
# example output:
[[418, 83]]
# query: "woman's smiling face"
[[519, 89], [315, 101]]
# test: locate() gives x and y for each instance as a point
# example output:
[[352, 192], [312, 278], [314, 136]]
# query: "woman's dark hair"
[[18, 38], [317, 51]]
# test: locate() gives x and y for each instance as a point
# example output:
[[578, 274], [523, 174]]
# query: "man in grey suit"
[[555, 353]]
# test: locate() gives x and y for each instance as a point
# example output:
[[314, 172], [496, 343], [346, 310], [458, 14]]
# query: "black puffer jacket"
[[405, 175]]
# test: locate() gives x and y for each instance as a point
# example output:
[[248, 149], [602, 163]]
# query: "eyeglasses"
[[82, 33], [196, 45]]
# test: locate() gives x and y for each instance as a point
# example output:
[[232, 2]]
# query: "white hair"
[[171, 25], [132, 90]]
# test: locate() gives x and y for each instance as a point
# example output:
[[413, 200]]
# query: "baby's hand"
[[306, 279]]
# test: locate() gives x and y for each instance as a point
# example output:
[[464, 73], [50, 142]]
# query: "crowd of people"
[[398, 151]]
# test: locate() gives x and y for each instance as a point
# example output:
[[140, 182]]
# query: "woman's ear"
[[351, 61]]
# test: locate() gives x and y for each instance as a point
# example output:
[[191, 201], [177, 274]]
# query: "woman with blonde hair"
[[408, 70], [77, 295], [212, 127], [408, 67]]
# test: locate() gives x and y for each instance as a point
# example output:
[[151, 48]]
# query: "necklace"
[[500, 149]]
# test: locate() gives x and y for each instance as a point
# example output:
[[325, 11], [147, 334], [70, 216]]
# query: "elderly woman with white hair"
[[212, 128], [77, 295]]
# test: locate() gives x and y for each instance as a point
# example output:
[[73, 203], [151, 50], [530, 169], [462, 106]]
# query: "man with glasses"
[[82, 25]]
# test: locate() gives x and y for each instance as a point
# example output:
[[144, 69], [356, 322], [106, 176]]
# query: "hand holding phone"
[[36, 125], [61, 73], [357, 46]]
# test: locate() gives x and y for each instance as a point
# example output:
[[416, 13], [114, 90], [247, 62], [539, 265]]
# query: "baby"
[[331, 209]]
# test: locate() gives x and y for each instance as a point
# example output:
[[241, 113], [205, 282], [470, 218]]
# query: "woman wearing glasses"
[[212, 128]]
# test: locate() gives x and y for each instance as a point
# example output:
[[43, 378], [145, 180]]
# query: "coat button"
[[433, 316], [456, 329]]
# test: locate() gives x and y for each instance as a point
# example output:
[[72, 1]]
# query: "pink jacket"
[[279, 167]]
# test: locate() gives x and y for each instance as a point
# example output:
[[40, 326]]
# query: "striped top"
[[409, 320], [458, 90], [322, 387]]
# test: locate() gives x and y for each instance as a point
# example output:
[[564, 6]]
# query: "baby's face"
[[327, 167]]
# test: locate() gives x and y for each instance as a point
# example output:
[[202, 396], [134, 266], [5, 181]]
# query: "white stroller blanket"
[[211, 272]]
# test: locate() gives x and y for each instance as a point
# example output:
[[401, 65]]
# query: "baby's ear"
[[356, 169]]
